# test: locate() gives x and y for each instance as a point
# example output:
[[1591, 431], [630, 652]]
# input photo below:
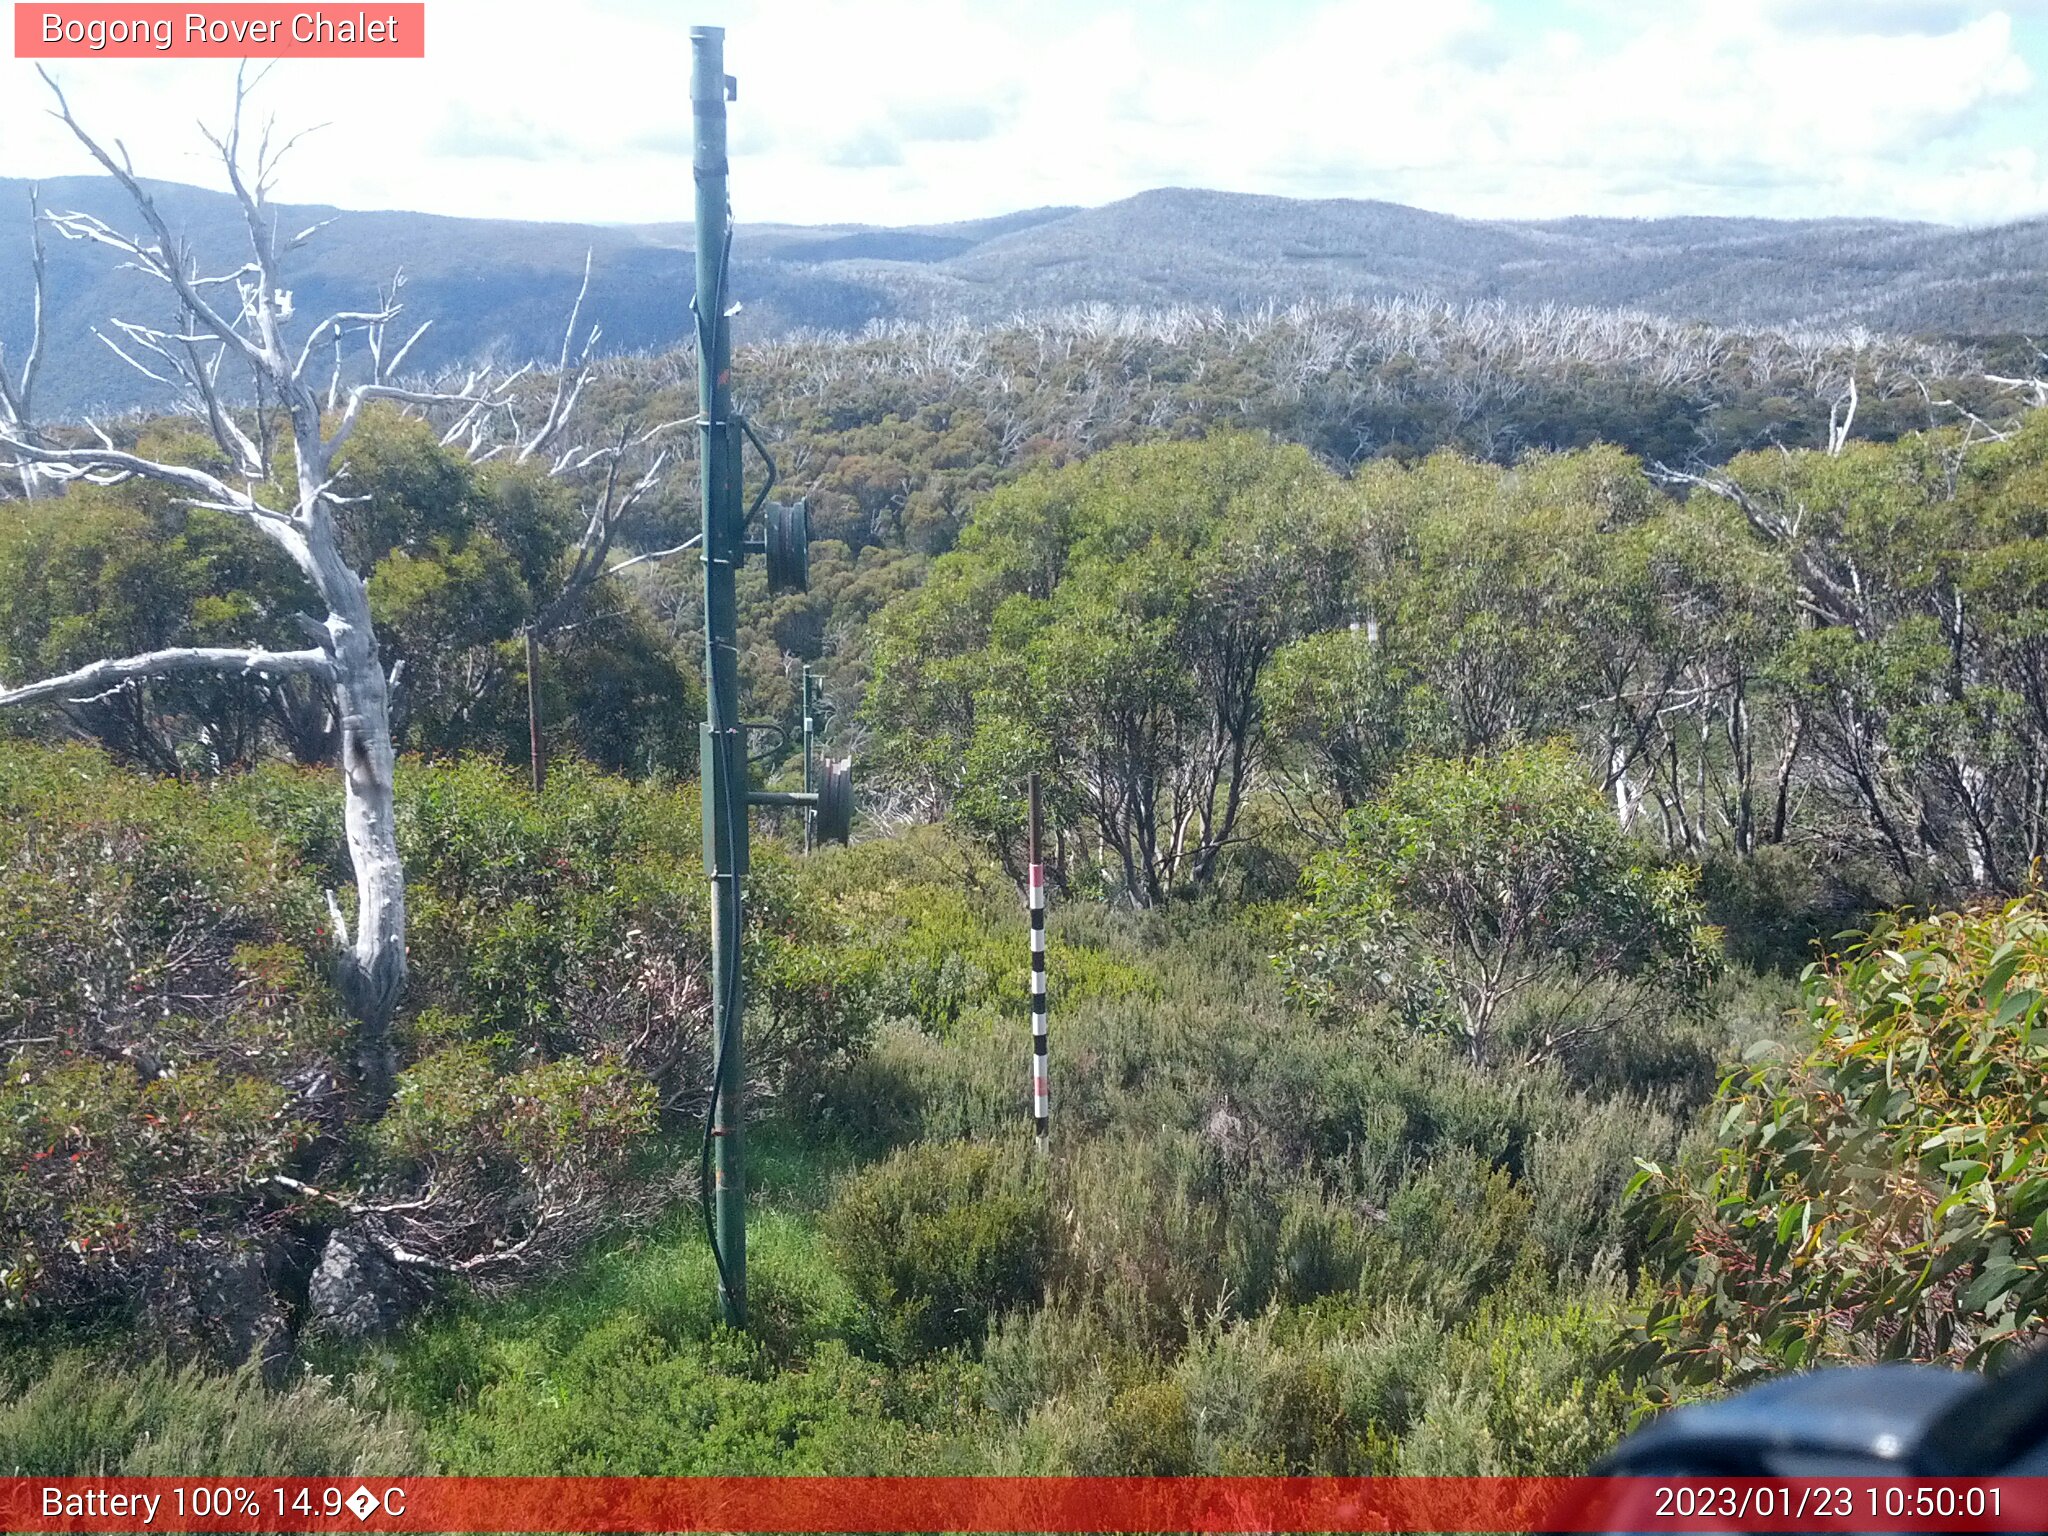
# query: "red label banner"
[[1052, 1504], [221, 31]]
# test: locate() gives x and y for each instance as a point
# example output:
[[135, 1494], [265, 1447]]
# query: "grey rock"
[[312, 1087], [356, 1292], [1226, 1131], [220, 1304]]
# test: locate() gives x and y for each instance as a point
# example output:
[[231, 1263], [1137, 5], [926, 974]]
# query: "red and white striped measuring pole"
[[1041, 1087]]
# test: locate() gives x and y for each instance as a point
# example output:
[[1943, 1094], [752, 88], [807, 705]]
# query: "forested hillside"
[[1461, 727], [498, 288]]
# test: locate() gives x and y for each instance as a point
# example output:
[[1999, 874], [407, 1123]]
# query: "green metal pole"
[[809, 787], [723, 759]]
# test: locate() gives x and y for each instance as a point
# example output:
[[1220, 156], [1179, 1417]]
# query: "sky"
[[922, 111]]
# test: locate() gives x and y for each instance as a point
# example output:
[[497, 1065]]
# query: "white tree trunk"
[[372, 966]]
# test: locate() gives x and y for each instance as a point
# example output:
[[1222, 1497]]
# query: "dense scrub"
[[458, 558], [176, 1135], [167, 1041], [1265, 1240], [1261, 1243], [1821, 673], [1468, 890], [1828, 652], [157, 1420], [898, 435], [1269, 1238]]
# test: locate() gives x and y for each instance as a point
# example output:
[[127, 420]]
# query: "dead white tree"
[[2033, 389], [238, 318], [18, 395], [1841, 417]]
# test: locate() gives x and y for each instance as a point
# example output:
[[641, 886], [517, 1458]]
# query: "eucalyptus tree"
[[1111, 624], [1911, 661]]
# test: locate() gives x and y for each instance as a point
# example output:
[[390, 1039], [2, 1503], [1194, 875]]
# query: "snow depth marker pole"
[[810, 728]]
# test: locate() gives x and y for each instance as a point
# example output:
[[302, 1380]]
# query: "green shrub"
[[932, 931], [1879, 1188], [939, 1240], [173, 1046], [88, 1416], [1055, 1351], [1162, 1231], [889, 1094], [575, 923], [1780, 906], [1270, 1406], [1386, 1364], [1321, 1249], [160, 1018], [1553, 1403], [1466, 885], [1455, 1231], [624, 1397], [624, 1402], [568, 922], [1149, 1432], [1576, 1175]]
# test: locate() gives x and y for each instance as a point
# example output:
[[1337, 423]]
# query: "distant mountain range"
[[499, 287]]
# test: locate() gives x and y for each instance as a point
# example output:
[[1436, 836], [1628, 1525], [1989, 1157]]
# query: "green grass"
[[663, 1276], [92, 1413], [623, 1366]]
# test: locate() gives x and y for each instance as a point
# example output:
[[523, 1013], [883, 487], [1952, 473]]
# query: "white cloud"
[[923, 110]]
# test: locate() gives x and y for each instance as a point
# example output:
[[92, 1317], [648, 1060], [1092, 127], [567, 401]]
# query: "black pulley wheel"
[[834, 823], [786, 531]]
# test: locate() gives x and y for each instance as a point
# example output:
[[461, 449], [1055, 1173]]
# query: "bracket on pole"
[[830, 805]]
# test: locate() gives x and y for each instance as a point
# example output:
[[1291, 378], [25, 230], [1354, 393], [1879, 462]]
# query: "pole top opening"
[[709, 34]]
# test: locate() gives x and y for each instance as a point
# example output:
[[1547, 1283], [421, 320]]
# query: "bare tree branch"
[[100, 676], [477, 405], [2036, 390], [567, 386], [1824, 593], [166, 259], [110, 466], [657, 554]]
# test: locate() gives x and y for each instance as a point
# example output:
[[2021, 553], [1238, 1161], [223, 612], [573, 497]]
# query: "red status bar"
[[1053, 1504]]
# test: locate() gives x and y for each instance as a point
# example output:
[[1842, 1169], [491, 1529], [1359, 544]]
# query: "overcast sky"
[[913, 111]]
